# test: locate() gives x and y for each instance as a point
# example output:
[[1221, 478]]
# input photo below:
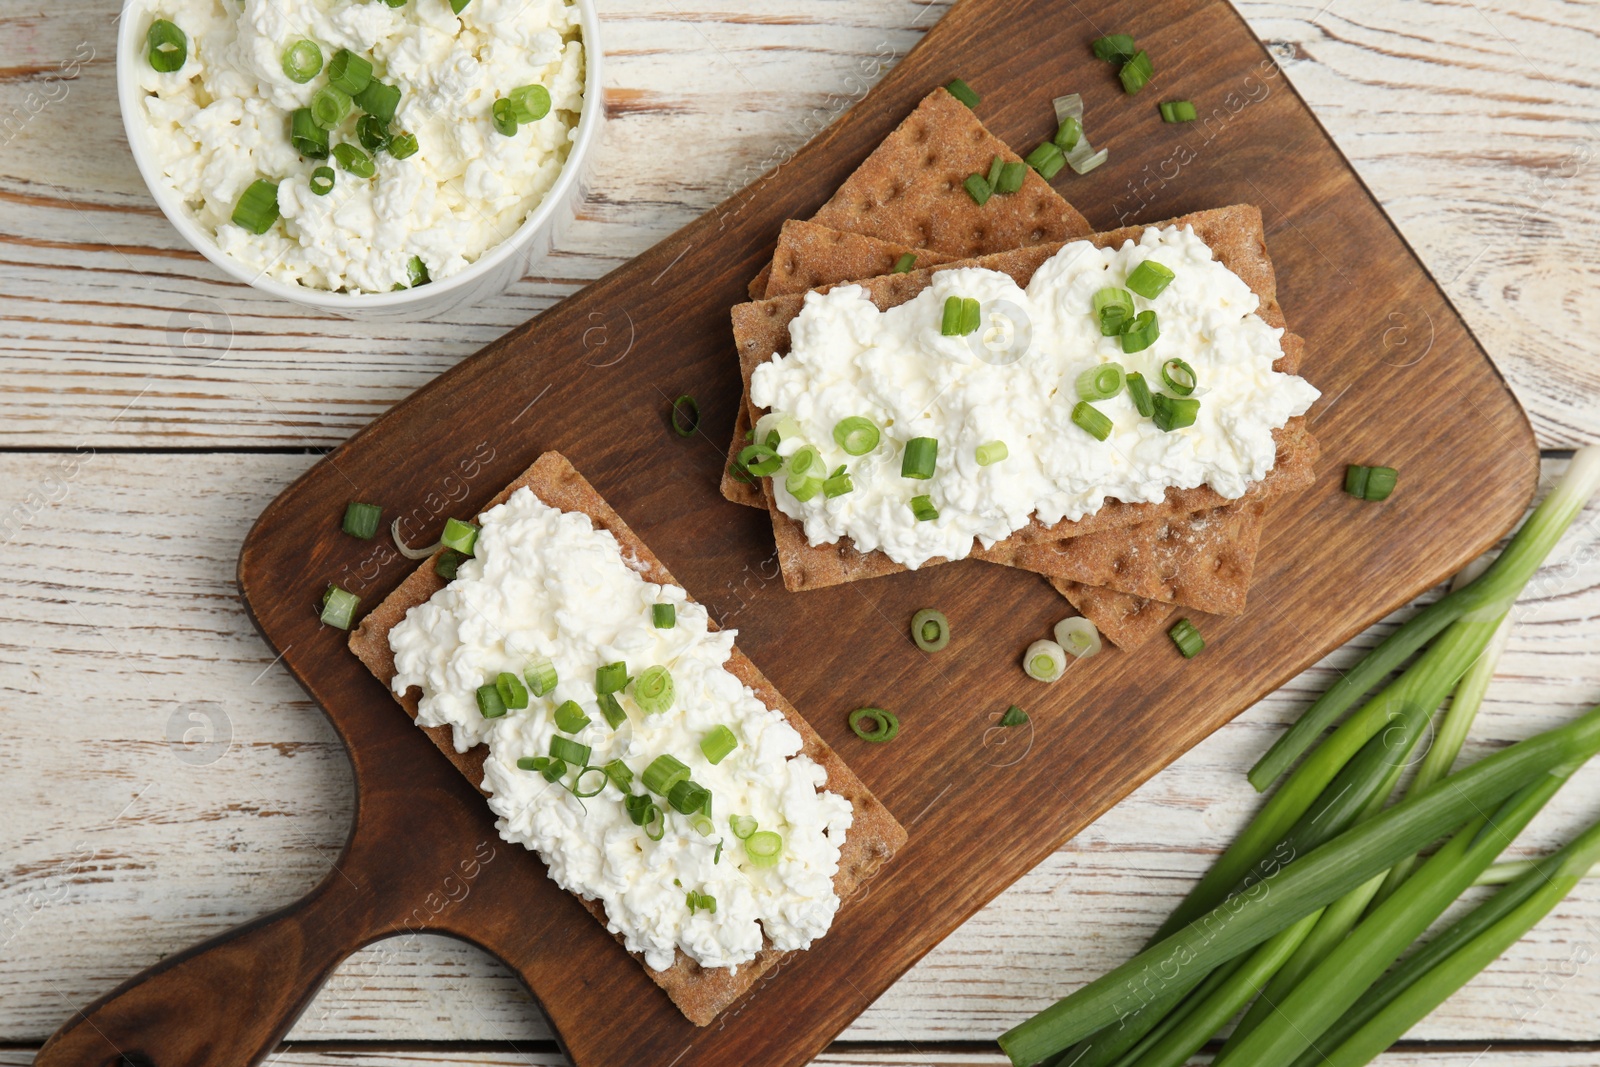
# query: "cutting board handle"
[[228, 1000]]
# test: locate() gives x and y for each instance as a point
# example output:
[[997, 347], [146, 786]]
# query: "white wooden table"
[[135, 456]]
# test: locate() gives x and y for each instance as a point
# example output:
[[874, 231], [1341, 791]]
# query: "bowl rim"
[[540, 218]]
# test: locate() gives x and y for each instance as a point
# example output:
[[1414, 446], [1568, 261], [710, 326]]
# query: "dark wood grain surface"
[[1403, 382]]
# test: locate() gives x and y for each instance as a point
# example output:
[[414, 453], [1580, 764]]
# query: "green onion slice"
[[875, 725], [991, 452], [403, 145], [348, 72], [663, 616], [569, 751], [1102, 382], [361, 520], [329, 106], [805, 461], [531, 102], [718, 743], [580, 790], [1177, 111], [322, 180], [620, 773], [688, 797], [1012, 177], [838, 483], [700, 902], [490, 705], [664, 772], [856, 435], [962, 92], [1014, 716], [1078, 636], [653, 690], [1380, 482], [513, 694], [339, 607], [354, 160], [1116, 47], [920, 458], [1178, 376], [742, 826], [1187, 638], [1139, 393], [302, 61], [904, 264], [1091, 420], [930, 630], [372, 133], [760, 460], [1173, 413], [1047, 159], [504, 114], [168, 46], [1136, 72], [257, 208], [1044, 661], [461, 536], [1355, 480], [922, 507], [448, 562], [458, 6], [1141, 333], [1068, 134], [1149, 279], [803, 486], [551, 769], [379, 101], [570, 717], [611, 677], [996, 165], [611, 708], [416, 272], [1113, 306], [655, 826], [764, 848], [685, 415], [540, 676]]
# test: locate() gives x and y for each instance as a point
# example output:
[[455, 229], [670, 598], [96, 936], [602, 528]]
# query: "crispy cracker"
[[810, 254], [1125, 620], [1235, 236], [699, 992]]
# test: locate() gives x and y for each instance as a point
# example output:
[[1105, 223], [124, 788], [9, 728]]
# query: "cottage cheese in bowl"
[[222, 121]]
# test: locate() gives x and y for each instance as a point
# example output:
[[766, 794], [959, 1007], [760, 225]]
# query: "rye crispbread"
[[1125, 620], [699, 992], [811, 255]]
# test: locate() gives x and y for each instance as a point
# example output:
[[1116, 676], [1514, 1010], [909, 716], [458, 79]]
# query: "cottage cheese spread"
[[546, 584], [222, 121], [847, 358]]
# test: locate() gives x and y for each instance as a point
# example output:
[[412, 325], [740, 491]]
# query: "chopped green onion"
[[701, 902], [513, 694], [904, 264], [379, 101], [961, 316], [531, 102], [838, 484], [489, 703], [803, 486], [1187, 638], [540, 676], [168, 46], [971, 315], [611, 677], [1078, 636], [930, 630], [805, 461], [458, 6], [620, 774], [663, 616], [920, 458], [1101, 383], [352, 159], [1136, 73], [257, 208], [578, 788], [1178, 376], [1044, 661], [760, 460], [570, 717], [551, 769], [1068, 134], [639, 806], [504, 114], [1012, 177], [991, 452], [1082, 161], [874, 725], [663, 773], [322, 180], [361, 520], [1014, 716], [856, 435], [445, 566], [1355, 480], [1139, 393], [461, 536], [742, 826], [1177, 111], [685, 415], [922, 507], [372, 133], [348, 72], [302, 61], [962, 92], [996, 165], [775, 427], [339, 607], [1141, 333], [1370, 483], [1047, 159], [718, 743], [764, 848], [653, 690], [1115, 47], [1091, 420], [688, 797], [309, 139], [612, 709], [1173, 413], [403, 145], [329, 106], [1114, 308], [1149, 278], [417, 272], [569, 751]]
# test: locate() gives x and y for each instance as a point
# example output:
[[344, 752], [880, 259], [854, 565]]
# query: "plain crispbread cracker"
[[1125, 620], [810, 255], [700, 993], [909, 191]]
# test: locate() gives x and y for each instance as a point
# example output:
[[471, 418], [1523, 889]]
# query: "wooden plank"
[[128, 590], [98, 296]]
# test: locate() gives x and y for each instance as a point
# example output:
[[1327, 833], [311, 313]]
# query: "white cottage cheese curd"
[[546, 584], [893, 367], [222, 121]]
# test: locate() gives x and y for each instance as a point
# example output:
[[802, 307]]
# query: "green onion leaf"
[[978, 188], [685, 415], [1149, 278], [302, 61], [1101, 383], [1091, 420], [1187, 638], [257, 208], [962, 92], [322, 180], [348, 72], [653, 690], [1045, 661], [361, 520], [461, 536], [168, 46], [904, 264], [513, 694], [1173, 413], [1139, 393], [874, 725], [1141, 333], [569, 751], [930, 630], [339, 607], [530, 102], [1012, 177], [1114, 308], [352, 159], [922, 507], [611, 708], [1115, 47], [663, 773], [742, 826], [504, 114], [718, 743], [403, 145], [920, 458], [1014, 716], [1178, 376], [489, 703], [570, 717], [540, 676], [611, 677], [1047, 159], [663, 616], [1136, 73], [991, 452], [764, 848]]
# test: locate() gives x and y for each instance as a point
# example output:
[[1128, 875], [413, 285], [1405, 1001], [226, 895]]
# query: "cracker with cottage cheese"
[[846, 836]]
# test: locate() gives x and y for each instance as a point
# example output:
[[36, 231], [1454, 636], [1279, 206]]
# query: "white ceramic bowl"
[[491, 275]]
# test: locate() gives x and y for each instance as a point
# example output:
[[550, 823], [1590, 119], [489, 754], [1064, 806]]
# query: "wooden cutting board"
[[1404, 384]]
